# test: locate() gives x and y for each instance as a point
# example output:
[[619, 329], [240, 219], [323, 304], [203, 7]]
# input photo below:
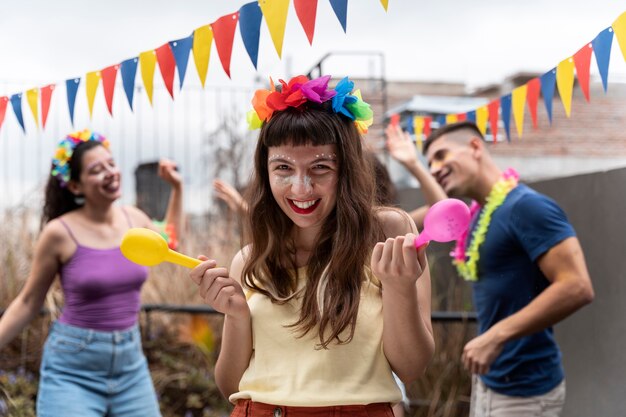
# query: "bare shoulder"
[[55, 238], [137, 217], [395, 222]]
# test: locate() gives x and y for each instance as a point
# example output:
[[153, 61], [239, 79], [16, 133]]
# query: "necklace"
[[466, 260]]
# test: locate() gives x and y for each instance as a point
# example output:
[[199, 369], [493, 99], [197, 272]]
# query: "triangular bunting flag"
[[250, 17], [224, 34], [461, 117], [71, 87], [518, 97], [181, 49], [565, 83], [385, 3], [3, 109], [128, 71], [548, 81], [418, 130], [167, 66], [494, 108], [532, 97], [275, 13], [46, 96], [306, 10], [481, 119], [427, 127], [619, 27], [582, 61], [32, 97], [202, 41], [470, 116], [109, 74], [451, 118], [147, 63], [16, 103], [340, 7], [505, 106], [602, 50], [91, 85], [441, 121]]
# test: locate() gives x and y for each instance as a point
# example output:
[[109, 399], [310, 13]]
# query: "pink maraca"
[[446, 220]]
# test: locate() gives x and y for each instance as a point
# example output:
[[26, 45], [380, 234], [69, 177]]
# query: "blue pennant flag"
[[128, 69], [471, 116], [16, 103], [72, 87], [548, 81], [602, 51], [409, 125], [340, 7], [250, 16], [441, 120], [505, 114], [180, 49]]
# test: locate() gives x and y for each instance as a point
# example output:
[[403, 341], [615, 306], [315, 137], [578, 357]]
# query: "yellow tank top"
[[289, 370]]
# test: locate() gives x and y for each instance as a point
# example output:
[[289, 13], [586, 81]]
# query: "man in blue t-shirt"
[[530, 274]]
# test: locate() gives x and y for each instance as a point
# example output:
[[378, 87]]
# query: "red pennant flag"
[[494, 108], [582, 60], [108, 85], [167, 66], [46, 95], [532, 97], [3, 109], [394, 120], [224, 34], [427, 129], [460, 117], [306, 11]]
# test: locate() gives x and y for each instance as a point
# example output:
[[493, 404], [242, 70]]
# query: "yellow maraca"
[[148, 248]]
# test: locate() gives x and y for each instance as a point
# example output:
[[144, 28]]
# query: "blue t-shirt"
[[522, 229]]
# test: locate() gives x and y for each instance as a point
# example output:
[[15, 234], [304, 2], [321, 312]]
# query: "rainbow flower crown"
[[300, 90], [65, 149]]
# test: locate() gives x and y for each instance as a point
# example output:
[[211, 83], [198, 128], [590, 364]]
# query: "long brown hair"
[[336, 268]]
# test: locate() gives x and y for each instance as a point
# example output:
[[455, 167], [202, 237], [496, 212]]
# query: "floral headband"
[[65, 149], [300, 89]]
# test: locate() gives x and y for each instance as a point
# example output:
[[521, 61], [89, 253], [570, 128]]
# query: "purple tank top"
[[101, 288]]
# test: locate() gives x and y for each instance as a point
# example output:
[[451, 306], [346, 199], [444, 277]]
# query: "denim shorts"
[[89, 373]]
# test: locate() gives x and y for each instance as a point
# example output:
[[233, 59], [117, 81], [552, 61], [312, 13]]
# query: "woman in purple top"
[[92, 364]]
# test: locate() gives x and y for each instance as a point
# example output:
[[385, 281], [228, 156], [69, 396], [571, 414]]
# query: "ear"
[[74, 187], [478, 147]]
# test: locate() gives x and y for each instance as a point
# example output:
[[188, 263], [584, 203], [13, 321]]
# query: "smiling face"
[[303, 180], [454, 165], [99, 177]]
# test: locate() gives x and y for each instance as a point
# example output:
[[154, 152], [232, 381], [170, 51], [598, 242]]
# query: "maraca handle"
[[422, 239], [183, 260]]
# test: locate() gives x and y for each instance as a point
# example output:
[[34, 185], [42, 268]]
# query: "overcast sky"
[[475, 42]]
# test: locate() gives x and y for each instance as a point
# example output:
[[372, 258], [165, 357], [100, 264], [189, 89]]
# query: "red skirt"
[[247, 408]]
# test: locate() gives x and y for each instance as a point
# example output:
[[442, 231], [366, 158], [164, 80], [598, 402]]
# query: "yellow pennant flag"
[[202, 41], [147, 61], [32, 96], [418, 129], [275, 13], [565, 83], [482, 115], [385, 3], [91, 85], [518, 99], [619, 27], [451, 118]]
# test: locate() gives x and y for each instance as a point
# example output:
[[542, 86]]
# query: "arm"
[[174, 213], [570, 289], [408, 340], [27, 304], [230, 196], [223, 292], [401, 148]]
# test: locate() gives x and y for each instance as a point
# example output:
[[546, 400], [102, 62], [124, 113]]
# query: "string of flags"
[[172, 57], [560, 77]]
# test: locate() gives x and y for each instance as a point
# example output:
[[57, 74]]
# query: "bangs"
[[313, 125]]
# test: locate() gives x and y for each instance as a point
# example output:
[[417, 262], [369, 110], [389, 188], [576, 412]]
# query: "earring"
[[79, 200]]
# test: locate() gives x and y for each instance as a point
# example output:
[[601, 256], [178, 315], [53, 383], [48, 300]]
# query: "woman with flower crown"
[[331, 295], [528, 272], [92, 364]]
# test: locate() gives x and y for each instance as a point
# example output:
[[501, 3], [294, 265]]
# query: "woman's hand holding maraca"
[[219, 290]]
